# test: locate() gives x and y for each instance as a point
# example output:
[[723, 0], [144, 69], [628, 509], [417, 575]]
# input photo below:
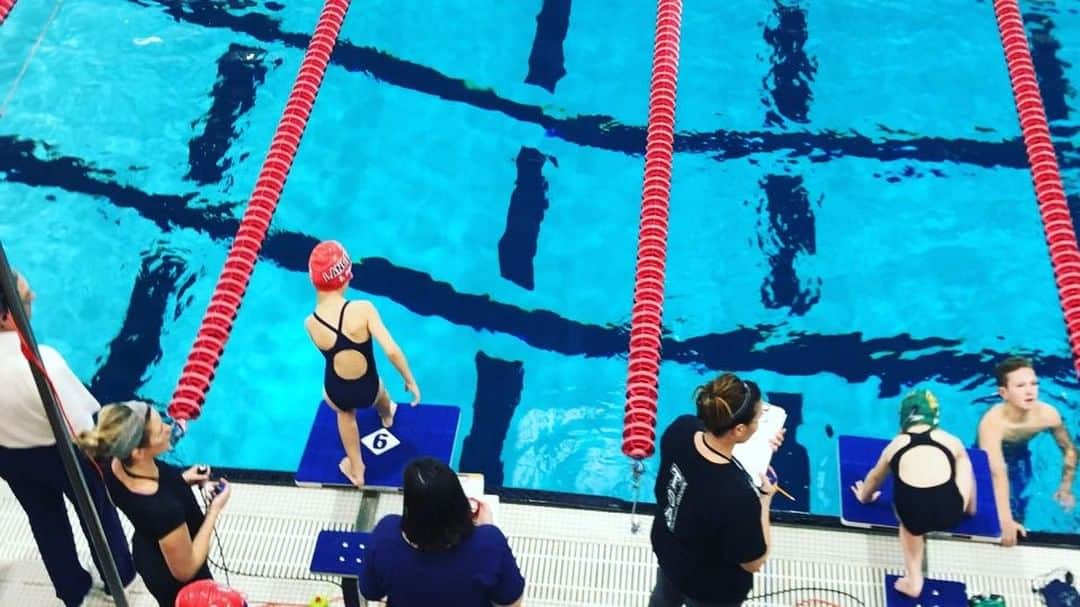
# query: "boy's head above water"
[[1017, 383]]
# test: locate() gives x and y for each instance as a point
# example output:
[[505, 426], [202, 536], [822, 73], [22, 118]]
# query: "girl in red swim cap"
[[351, 381]]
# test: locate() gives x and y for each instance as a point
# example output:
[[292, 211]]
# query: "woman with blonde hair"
[[172, 535]]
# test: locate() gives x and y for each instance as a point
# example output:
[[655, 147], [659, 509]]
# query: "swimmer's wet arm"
[[1068, 452], [990, 441], [876, 476]]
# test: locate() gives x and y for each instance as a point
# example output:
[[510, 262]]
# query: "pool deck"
[[569, 556]]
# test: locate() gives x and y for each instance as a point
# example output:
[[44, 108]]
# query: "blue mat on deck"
[[935, 593], [424, 430], [858, 454]]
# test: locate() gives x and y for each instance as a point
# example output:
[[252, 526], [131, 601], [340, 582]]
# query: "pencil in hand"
[[784, 493]]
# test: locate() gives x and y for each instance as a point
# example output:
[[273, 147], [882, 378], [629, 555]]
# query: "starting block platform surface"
[[424, 430], [858, 454], [935, 593], [339, 552]]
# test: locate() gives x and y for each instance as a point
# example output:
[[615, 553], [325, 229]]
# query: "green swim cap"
[[919, 407]]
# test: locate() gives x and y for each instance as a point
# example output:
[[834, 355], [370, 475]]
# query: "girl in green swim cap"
[[935, 484]]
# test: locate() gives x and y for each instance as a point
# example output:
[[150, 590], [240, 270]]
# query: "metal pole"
[[83, 502]]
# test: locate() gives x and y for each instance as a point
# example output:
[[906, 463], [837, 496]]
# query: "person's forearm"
[[871, 483], [402, 366], [200, 544], [1068, 468], [766, 527], [1001, 496]]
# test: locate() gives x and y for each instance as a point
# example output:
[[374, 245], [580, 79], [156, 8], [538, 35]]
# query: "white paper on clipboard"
[[756, 453]]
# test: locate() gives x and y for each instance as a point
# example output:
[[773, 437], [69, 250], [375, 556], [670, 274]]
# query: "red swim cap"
[[208, 593], [329, 266]]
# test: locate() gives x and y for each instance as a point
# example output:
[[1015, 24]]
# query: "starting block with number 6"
[[424, 430]]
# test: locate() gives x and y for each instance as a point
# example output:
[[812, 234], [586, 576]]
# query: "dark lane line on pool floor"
[[791, 70], [787, 232], [604, 132], [137, 346], [546, 60], [528, 202], [897, 361], [241, 70], [1049, 68], [498, 393]]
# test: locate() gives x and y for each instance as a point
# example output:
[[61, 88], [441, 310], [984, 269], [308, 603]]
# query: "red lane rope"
[[232, 284], [5, 8], [639, 430], [1057, 222]]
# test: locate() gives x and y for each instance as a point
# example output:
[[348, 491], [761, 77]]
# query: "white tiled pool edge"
[[570, 557]]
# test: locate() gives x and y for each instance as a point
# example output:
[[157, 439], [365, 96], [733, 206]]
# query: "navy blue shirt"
[[478, 572]]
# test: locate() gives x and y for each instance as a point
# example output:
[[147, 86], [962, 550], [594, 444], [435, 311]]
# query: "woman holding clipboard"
[[711, 530]]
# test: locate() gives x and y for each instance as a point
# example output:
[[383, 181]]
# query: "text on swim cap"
[[336, 270]]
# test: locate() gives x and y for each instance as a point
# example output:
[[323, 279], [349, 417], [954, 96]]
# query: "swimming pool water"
[[851, 214]]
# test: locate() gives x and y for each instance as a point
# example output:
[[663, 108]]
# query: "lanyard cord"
[[733, 461]]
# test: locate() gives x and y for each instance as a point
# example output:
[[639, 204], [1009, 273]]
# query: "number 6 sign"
[[380, 441]]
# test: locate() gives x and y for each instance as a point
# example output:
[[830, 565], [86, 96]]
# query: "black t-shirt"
[[154, 517], [708, 520]]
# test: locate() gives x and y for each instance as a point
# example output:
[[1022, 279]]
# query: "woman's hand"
[[413, 389], [481, 512], [777, 439], [858, 490], [196, 475], [218, 498], [768, 485]]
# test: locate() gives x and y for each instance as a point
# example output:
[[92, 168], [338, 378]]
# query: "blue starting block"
[[424, 430], [935, 593], [858, 454], [341, 553]]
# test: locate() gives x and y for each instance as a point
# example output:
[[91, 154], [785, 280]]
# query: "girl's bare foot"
[[388, 420], [354, 474], [911, 586]]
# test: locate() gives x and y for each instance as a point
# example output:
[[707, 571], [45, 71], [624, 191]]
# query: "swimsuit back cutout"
[[349, 394]]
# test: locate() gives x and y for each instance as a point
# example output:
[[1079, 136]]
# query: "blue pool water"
[[851, 214]]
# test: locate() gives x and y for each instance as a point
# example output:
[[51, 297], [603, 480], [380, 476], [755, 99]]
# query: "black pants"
[[37, 478], [665, 594], [151, 565]]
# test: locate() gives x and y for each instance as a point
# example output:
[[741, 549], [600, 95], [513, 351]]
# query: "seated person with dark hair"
[[437, 552]]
